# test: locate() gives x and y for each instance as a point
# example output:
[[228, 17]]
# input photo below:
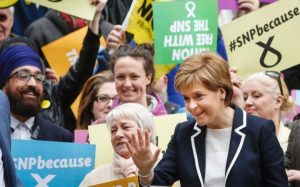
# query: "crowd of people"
[[235, 135]]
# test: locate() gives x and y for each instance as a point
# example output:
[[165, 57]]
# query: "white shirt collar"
[[14, 122]]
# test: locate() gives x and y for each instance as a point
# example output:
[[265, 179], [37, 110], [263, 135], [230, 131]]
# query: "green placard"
[[184, 28]]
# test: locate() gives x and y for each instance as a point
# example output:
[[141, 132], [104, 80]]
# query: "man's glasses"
[[26, 76], [276, 75], [104, 99]]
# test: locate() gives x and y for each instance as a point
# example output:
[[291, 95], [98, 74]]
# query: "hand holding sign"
[[247, 6], [116, 37], [94, 24]]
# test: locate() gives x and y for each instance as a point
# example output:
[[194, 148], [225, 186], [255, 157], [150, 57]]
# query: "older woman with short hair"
[[123, 121]]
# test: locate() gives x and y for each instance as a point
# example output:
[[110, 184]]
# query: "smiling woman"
[[266, 95], [133, 70], [96, 99], [215, 147], [123, 122]]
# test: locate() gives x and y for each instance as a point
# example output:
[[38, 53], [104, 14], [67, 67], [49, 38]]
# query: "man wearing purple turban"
[[22, 78]]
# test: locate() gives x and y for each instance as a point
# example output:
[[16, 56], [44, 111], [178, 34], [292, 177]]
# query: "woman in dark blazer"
[[222, 146]]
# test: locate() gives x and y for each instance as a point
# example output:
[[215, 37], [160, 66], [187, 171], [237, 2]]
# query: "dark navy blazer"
[[5, 142], [255, 157], [50, 132]]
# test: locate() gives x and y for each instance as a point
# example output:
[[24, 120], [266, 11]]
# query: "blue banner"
[[57, 164]]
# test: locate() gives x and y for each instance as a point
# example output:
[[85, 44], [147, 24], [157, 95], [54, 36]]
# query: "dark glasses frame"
[[26, 76], [104, 99], [276, 75]]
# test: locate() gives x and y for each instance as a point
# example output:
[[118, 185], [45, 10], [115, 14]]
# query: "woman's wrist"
[[145, 178], [145, 174]]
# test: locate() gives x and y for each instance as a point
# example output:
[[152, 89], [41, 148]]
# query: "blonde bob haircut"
[[207, 68], [135, 112]]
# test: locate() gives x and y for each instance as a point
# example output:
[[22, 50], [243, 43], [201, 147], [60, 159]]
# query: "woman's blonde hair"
[[207, 68], [272, 86]]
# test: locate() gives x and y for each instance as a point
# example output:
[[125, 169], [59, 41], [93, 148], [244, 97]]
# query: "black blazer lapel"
[[198, 146], [237, 139]]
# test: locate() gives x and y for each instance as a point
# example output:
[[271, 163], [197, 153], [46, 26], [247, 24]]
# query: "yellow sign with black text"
[[266, 39]]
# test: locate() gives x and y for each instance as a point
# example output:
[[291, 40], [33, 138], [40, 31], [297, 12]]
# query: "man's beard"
[[24, 107]]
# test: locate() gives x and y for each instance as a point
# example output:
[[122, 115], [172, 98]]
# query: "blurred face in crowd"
[[205, 105], [131, 80], [103, 101], [259, 101], [6, 23], [121, 131], [25, 96]]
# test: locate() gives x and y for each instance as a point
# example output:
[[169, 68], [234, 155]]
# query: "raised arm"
[[143, 157], [94, 24], [70, 85]]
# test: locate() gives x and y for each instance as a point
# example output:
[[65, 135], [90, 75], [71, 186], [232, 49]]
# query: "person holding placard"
[[123, 121], [221, 146], [133, 70], [96, 99], [266, 95], [244, 7], [58, 96]]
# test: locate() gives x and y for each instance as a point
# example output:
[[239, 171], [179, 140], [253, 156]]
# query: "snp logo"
[[42, 182]]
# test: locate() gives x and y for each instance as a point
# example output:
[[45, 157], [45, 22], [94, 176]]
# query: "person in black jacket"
[[22, 80], [20, 63], [292, 156], [61, 94]]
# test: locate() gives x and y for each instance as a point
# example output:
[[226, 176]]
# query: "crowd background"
[[109, 79]]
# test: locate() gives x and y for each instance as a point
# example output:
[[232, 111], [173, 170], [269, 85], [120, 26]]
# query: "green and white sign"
[[184, 28]]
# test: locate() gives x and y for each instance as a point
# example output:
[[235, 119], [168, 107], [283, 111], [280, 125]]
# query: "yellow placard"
[[127, 182], [100, 136], [79, 8], [64, 52], [139, 21], [266, 39], [7, 3]]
